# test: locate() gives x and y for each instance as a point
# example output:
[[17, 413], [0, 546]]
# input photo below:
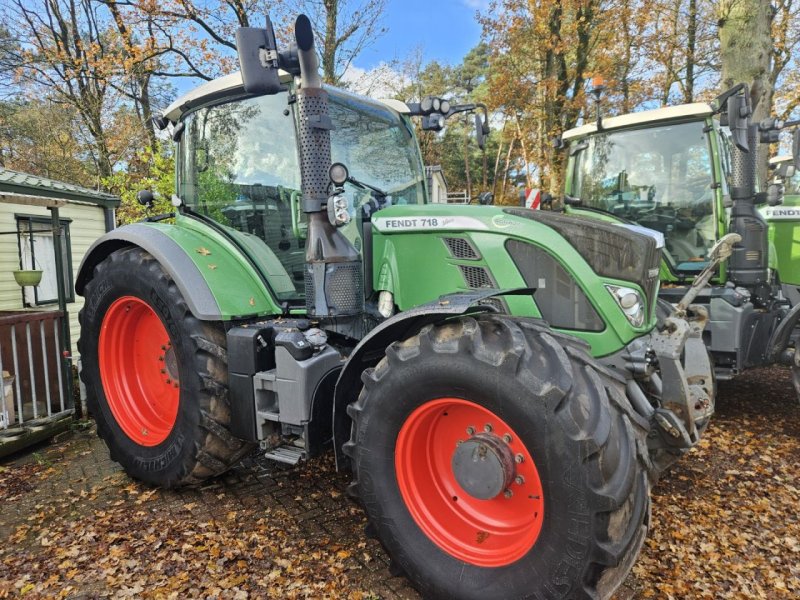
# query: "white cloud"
[[383, 81], [477, 4]]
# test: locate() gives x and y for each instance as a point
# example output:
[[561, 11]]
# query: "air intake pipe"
[[333, 271]]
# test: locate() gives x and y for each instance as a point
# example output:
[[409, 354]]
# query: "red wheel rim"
[[486, 533], [139, 371]]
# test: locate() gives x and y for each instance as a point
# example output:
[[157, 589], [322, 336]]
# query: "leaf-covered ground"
[[725, 522]]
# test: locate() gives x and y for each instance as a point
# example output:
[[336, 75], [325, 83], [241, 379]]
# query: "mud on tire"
[[198, 445], [572, 416]]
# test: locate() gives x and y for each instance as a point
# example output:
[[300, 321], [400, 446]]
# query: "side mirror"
[[480, 135], [739, 111], [486, 198], [260, 60], [796, 148], [775, 192], [145, 198]]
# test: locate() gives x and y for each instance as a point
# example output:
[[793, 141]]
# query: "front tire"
[[550, 497], [155, 376]]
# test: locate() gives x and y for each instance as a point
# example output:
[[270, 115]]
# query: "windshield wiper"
[[578, 203], [366, 186]]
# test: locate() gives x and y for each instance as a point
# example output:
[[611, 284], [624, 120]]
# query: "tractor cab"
[[659, 169], [238, 164]]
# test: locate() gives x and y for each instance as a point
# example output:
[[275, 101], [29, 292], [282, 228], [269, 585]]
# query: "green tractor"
[[783, 219], [492, 376], [690, 172]]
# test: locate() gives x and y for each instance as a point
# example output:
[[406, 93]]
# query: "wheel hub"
[[483, 466], [477, 496]]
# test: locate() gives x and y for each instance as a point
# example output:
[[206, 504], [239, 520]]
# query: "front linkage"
[[685, 381]]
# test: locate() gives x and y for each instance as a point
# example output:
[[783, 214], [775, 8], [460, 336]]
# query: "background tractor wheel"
[[496, 459], [156, 377]]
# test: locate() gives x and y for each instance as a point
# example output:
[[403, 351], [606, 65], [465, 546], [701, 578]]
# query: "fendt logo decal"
[[414, 223], [782, 214]]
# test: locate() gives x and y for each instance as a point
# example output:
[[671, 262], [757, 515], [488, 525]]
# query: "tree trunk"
[[525, 157], [466, 159], [329, 51], [496, 168], [484, 183], [508, 165], [691, 47], [745, 36]]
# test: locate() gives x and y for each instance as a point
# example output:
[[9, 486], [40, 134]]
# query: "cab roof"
[[231, 85], [668, 113]]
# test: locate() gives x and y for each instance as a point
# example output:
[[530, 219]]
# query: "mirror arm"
[[719, 104]]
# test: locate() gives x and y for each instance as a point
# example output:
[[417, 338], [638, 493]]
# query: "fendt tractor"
[[690, 172], [492, 376]]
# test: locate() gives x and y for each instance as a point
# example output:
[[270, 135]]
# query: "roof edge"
[[666, 113]]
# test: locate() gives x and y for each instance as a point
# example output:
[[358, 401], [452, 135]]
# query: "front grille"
[[610, 250], [476, 277], [461, 249]]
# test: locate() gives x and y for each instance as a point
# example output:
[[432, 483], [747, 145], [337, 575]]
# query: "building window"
[[37, 251]]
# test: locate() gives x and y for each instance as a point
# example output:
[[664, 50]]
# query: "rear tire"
[[572, 527], [155, 376]]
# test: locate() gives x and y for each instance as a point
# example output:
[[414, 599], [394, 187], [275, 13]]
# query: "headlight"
[[631, 303]]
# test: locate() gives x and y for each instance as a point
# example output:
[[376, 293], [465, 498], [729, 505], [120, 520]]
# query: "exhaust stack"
[[748, 265], [334, 282]]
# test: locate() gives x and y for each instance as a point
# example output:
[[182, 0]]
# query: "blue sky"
[[445, 30]]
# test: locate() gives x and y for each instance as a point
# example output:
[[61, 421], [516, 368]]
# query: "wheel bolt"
[[487, 428], [519, 480], [175, 384], [163, 347], [459, 442], [470, 430], [163, 370], [519, 459], [507, 438], [508, 494], [169, 380], [161, 358]]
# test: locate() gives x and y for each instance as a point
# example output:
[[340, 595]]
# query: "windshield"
[[659, 177], [378, 147], [238, 164]]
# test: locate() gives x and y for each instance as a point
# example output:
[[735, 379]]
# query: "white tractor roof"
[[779, 159], [230, 84], [668, 113]]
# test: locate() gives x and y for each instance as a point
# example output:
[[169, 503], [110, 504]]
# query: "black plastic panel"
[[611, 250], [558, 296]]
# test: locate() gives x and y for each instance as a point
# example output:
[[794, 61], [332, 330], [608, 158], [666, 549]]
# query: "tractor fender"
[[167, 252], [372, 348]]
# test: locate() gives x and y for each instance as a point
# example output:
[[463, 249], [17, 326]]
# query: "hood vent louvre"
[[461, 248]]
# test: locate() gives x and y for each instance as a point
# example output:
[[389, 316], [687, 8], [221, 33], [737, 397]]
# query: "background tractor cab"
[[659, 168], [690, 173]]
